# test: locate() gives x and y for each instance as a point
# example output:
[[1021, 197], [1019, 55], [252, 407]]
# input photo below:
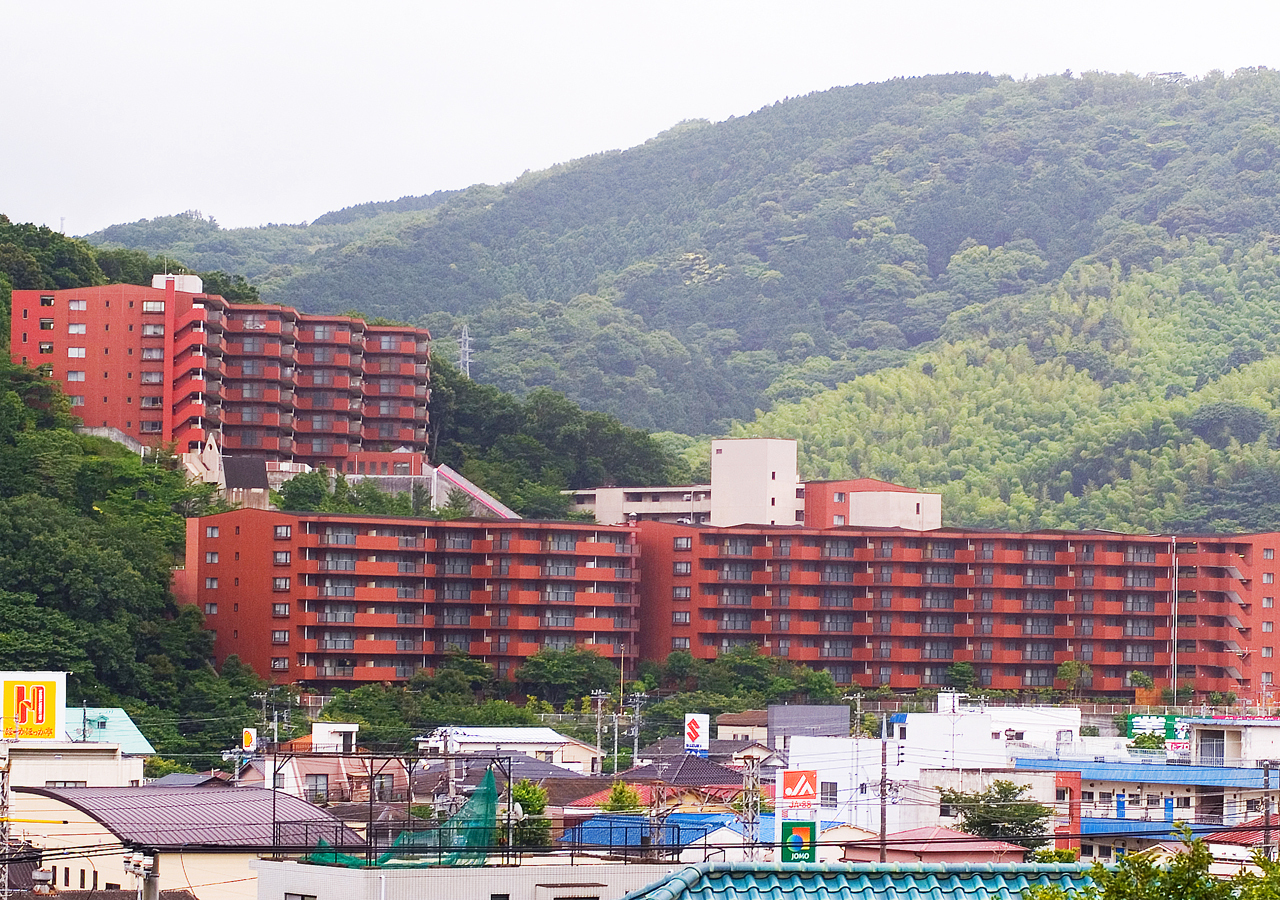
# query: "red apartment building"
[[172, 366], [896, 607], [338, 600]]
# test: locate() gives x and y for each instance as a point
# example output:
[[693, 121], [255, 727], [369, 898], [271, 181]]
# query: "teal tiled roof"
[[110, 725], [861, 881]]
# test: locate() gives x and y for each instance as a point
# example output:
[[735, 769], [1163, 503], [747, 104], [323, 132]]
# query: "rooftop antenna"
[[464, 351]]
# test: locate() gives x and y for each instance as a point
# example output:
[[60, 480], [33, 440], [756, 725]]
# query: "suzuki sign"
[[697, 733], [31, 705]]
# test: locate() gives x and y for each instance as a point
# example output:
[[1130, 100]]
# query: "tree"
[[1074, 673], [1149, 741], [961, 675], [554, 675], [1001, 812], [1185, 875], [534, 830], [622, 798]]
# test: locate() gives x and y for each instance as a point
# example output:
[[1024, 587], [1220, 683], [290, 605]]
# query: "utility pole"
[[464, 351], [637, 699], [1266, 808], [616, 714], [751, 807], [884, 788], [599, 696]]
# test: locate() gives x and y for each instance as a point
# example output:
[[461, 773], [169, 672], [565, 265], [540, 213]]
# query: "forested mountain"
[[720, 267]]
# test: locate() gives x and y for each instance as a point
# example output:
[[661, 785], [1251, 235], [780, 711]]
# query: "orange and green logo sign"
[[30, 709], [799, 841]]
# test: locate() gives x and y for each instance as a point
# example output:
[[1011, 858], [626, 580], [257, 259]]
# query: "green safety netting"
[[464, 839]]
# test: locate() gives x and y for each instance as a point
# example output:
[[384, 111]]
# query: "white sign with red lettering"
[[697, 733], [800, 788]]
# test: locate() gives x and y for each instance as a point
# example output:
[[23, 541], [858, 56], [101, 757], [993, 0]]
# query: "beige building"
[[545, 744], [67, 764]]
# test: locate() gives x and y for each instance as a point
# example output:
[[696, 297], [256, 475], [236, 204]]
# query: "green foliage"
[[534, 830], [622, 798], [311, 492], [1148, 742], [1089, 731], [961, 675], [158, 767], [555, 675], [1141, 679], [1001, 812], [1048, 855], [1074, 673]]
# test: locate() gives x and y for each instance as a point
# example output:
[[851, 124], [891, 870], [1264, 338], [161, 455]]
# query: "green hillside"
[[719, 268]]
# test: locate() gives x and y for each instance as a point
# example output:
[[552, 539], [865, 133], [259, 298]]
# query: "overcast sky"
[[274, 111]]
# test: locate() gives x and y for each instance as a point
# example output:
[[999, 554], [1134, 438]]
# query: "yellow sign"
[[31, 710], [249, 740]]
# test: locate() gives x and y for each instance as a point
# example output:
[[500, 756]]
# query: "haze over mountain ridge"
[[748, 265]]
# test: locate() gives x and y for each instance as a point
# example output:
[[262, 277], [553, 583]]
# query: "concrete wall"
[[592, 881], [754, 481]]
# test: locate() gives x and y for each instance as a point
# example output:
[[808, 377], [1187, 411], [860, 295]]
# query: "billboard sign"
[[800, 788], [697, 733], [799, 841], [31, 705]]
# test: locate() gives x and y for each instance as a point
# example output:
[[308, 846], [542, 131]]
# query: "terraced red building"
[[170, 364], [340, 600]]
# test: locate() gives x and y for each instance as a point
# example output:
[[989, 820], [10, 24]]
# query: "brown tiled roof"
[[752, 718], [216, 817], [1250, 833], [687, 771]]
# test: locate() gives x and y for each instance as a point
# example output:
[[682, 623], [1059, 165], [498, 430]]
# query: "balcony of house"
[[322, 425], [383, 388], [309, 357], [242, 438], [324, 380], [381, 432], [396, 410], [518, 545], [251, 416], [242, 370], [379, 365], [190, 340], [238, 322]]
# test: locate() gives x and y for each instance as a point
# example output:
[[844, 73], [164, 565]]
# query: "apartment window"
[[1268, 577], [150, 426], [1268, 626], [211, 583], [279, 664], [152, 377], [75, 376], [681, 593], [679, 643], [47, 325], [48, 301], [281, 557], [1267, 651], [153, 306], [280, 610], [827, 793], [280, 637], [211, 531], [151, 402], [211, 556], [839, 498], [279, 584], [152, 353], [284, 532], [77, 305], [76, 399], [47, 347], [683, 543], [76, 328], [680, 617], [1266, 677], [683, 568], [211, 609], [1268, 602], [1268, 554]]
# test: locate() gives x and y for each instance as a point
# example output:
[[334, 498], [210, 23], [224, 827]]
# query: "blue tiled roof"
[[109, 725], [860, 881], [1155, 773], [1140, 828], [627, 831]]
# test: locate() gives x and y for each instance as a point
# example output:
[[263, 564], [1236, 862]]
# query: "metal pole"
[[884, 788], [1266, 822]]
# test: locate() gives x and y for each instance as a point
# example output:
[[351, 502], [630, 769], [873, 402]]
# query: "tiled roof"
[[936, 839], [108, 724], [171, 817], [860, 881], [1250, 833], [1150, 773], [687, 770], [752, 718]]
